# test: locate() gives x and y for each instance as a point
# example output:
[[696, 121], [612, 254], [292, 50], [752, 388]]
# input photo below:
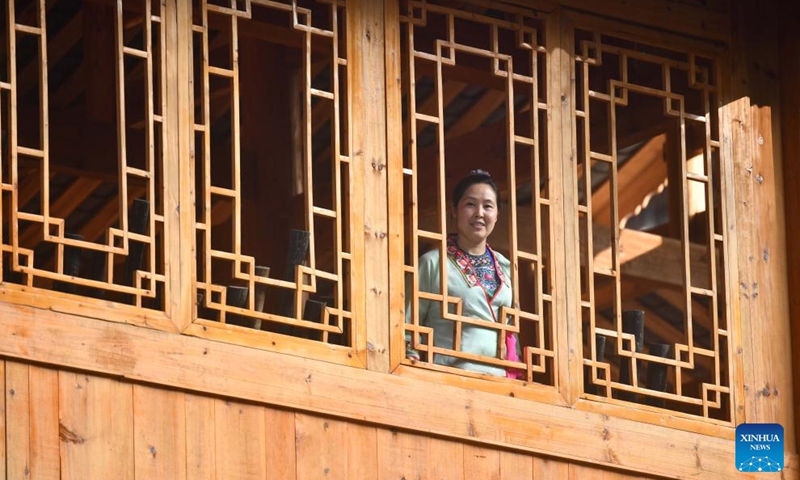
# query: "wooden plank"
[[201, 454], [159, 428], [96, 427], [407, 455], [362, 451], [449, 458], [515, 466], [482, 462], [43, 390], [547, 468], [281, 456], [18, 430], [240, 440], [789, 54], [319, 444], [4, 416], [583, 472], [366, 67], [576, 433]]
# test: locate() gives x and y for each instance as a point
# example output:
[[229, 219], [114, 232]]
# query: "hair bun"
[[480, 171]]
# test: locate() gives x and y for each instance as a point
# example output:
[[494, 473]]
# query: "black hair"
[[474, 177]]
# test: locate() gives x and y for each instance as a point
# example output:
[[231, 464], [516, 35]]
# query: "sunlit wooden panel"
[[474, 97], [81, 150], [652, 237], [272, 173]]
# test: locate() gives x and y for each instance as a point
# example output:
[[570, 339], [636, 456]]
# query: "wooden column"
[[366, 62], [179, 162], [759, 235], [789, 54]]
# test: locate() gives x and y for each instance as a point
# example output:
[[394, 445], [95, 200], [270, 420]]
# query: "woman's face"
[[475, 215]]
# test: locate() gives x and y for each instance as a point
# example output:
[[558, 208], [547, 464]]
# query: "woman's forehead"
[[480, 191]]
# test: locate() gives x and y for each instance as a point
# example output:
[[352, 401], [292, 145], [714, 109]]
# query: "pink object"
[[511, 354]]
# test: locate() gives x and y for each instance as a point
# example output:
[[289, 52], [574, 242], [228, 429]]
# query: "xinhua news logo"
[[759, 447]]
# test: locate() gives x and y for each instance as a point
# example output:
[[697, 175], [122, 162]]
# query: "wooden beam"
[[476, 115], [67, 202], [652, 257], [107, 216], [640, 176], [58, 46]]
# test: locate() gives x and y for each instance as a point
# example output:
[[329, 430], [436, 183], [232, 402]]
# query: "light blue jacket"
[[475, 304]]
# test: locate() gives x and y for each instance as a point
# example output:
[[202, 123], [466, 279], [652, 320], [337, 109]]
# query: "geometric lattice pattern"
[[651, 219], [81, 204], [475, 97], [759, 464], [274, 173]]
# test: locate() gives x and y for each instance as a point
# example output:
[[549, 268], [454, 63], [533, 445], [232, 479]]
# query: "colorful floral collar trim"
[[461, 260]]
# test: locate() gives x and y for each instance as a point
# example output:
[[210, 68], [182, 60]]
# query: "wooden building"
[[212, 213]]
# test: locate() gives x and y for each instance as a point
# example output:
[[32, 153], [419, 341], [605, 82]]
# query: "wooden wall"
[[63, 424]]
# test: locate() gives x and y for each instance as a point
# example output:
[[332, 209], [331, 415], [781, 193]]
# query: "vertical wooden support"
[[760, 292], [365, 57], [179, 161], [789, 53], [562, 142], [394, 172]]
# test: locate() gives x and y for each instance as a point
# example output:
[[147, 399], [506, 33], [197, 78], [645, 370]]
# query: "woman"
[[476, 274]]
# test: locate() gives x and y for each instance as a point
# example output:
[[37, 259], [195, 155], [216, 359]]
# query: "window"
[[475, 97], [650, 212], [631, 209], [271, 170], [83, 109]]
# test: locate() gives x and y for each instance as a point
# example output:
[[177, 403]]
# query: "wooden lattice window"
[[82, 110], [474, 96], [271, 171], [651, 218]]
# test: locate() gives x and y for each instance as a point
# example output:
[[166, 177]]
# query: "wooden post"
[[789, 54], [366, 65], [760, 295]]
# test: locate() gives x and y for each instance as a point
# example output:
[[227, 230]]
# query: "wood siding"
[[101, 427]]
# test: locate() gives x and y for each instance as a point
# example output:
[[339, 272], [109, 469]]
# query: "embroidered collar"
[[463, 263]]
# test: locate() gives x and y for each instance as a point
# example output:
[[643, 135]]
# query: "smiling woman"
[[477, 277]]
